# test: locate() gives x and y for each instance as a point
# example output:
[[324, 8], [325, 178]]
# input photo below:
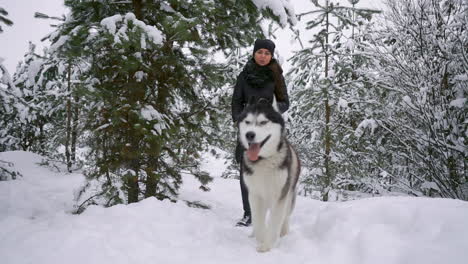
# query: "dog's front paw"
[[284, 230], [262, 248], [265, 246]]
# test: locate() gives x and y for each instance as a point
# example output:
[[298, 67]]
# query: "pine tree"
[[66, 55], [8, 108], [3, 19], [39, 78], [326, 94], [28, 123], [150, 88], [226, 132], [8, 92]]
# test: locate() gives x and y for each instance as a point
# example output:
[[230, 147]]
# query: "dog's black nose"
[[250, 136]]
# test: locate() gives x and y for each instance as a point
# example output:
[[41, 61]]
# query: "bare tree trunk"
[[161, 103], [328, 174], [133, 188], [69, 117], [132, 181], [151, 181], [134, 164], [138, 6], [74, 129]]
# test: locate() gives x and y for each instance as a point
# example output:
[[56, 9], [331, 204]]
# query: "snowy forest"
[[133, 93]]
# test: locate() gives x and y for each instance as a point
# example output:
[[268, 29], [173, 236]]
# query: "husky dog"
[[271, 170]]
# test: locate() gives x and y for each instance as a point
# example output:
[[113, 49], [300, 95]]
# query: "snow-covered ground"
[[36, 226]]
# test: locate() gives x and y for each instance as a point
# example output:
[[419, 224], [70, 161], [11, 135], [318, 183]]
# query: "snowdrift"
[[38, 228]]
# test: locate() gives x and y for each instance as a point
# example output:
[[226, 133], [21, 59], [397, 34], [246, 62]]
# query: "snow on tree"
[[329, 97], [3, 19], [8, 109], [40, 80], [421, 64], [151, 87]]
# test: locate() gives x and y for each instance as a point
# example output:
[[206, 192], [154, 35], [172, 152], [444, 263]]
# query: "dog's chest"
[[267, 179]]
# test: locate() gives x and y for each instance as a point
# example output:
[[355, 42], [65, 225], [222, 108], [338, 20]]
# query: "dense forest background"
[[133, 92]]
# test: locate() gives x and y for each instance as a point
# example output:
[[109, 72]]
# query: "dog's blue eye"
[[263, 123], [247, 122]]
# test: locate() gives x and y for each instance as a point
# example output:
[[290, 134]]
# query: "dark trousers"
[[244, 192]]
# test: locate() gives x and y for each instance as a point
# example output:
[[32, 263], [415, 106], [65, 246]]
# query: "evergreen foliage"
[[227, 132], [396, 95], [39, 80], [3, 19], [34, 111], [137, 87], [329, 99], [8, 94], [9, 108], [421, 64], [24, 107], [151, 88]]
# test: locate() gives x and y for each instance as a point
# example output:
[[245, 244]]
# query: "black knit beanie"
[[264, 44]]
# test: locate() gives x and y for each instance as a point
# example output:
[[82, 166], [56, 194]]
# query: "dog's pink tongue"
[[252, 152]]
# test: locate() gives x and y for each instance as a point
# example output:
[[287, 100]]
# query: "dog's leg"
[[275, 223], [285, 226], [258, 208]]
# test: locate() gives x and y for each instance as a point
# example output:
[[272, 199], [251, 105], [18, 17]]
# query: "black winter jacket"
[[259, 82]]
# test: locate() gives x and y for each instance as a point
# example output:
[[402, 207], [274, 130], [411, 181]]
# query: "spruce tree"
[[28, 124], [4, 19], [226, 131], [41, 82], [9, 109], [327, 87], [150, 88], [8, 93]]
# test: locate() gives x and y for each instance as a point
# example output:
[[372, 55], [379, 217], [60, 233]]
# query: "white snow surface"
[[37, 226]]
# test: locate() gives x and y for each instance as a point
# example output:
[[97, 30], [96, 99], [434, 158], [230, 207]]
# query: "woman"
[[262, 77]]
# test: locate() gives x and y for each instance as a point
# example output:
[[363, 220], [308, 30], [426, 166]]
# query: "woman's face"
[[262, 57]]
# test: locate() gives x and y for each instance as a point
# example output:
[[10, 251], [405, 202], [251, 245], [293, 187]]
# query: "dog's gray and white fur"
[[271, 171]]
